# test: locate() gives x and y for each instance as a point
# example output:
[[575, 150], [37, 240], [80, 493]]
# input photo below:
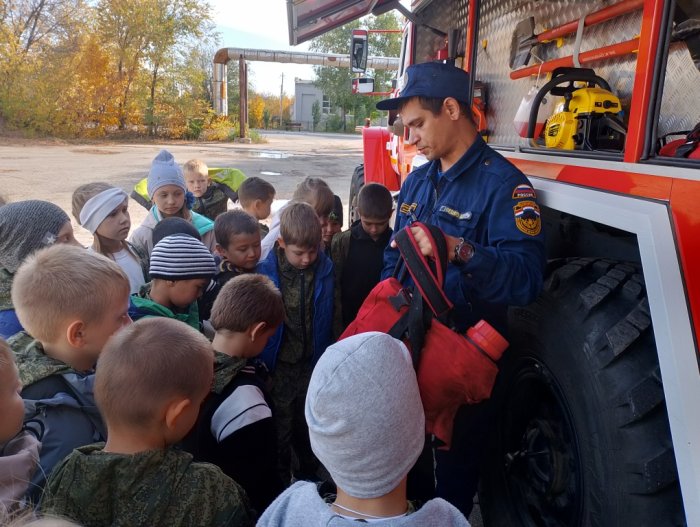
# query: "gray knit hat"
[[181, 257], [365, 415], [26, 227], [164, 171]]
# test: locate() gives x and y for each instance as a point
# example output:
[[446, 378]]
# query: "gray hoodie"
[[302, 506]]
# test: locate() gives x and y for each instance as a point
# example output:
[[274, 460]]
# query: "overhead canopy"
[[310, 18]]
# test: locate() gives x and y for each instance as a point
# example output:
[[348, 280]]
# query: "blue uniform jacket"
[[323, 307], [489, 202]]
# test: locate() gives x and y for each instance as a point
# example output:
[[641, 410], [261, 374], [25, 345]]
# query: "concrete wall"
[[305, 94]]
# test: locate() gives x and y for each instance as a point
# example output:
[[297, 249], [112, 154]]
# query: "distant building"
[[305, 94]]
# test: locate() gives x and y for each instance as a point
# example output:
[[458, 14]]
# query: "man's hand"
[[426, 248]]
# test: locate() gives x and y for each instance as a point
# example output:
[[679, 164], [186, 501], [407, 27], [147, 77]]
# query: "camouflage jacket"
[[5, 289], [214, 201], [307, 330], [157, 487]]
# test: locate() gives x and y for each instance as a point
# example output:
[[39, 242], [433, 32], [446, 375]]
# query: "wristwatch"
[[464, 251]]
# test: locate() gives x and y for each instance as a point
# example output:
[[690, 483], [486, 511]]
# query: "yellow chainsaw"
[[588, 117]]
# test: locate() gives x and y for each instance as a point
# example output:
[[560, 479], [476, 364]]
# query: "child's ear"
[[75, 334], [174, 412], [256, 330], [219, 249], [281, 242]]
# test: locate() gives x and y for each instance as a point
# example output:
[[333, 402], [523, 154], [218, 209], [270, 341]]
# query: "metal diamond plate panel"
[[451, 14], [498, 20], [680, 104]]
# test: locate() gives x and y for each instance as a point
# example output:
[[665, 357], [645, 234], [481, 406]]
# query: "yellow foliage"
[[256, 107]]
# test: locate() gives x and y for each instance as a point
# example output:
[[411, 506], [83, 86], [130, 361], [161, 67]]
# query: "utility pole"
[[281, 98]]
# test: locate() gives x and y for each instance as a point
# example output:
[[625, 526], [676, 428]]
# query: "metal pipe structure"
[[222, 57]]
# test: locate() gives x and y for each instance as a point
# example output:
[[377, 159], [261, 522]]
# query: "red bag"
[[452, 369]]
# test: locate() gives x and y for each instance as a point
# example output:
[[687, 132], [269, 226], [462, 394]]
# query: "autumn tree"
[[256, 109], [174, 24]]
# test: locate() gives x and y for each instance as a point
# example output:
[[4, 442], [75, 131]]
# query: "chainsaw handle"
[[560, 76]]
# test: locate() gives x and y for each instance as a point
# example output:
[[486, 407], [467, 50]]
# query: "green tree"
[[336, 83], [316, 114], [174, 26]]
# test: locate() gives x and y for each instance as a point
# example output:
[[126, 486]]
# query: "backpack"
[[452, 369]]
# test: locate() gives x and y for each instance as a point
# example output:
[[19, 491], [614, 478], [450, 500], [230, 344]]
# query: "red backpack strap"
[[428, 276]]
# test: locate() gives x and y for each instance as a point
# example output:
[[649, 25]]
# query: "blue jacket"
[[323, 307], [490, 203], [60, 401]]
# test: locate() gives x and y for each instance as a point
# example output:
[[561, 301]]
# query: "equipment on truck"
[[587, 119]]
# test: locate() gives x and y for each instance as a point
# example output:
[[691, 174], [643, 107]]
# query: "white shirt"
[[132, 267]]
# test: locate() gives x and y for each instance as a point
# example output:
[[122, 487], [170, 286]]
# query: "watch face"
[[466, 251]]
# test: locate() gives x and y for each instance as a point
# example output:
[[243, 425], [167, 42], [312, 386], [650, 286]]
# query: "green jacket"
[[158, 487], [142, 306]]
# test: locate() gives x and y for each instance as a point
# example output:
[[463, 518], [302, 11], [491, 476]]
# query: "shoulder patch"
[[524, 192], [527, 217]]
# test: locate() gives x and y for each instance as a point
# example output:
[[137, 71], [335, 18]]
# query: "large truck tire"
[[581, 434], [356, 184]]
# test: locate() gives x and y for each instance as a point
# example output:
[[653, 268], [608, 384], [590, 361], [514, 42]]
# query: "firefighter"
[[489, 213]]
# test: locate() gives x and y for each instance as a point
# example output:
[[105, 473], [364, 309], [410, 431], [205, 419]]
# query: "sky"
[[260, 24]]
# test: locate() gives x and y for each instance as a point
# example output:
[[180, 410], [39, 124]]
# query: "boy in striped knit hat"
[[180, 269]]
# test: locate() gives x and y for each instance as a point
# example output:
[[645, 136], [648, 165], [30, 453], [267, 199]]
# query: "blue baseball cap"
[[431, 79]]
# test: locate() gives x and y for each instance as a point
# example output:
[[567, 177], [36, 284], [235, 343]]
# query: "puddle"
[[268, 173], [265, 154]]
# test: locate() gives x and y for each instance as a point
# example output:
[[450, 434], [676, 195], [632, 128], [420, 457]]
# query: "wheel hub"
[[541, 467]]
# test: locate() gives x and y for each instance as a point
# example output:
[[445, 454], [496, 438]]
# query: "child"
[[151, 379], [313, 191], [238, 243], [19, 450], [358, 253], [236, 430], [71, 301], [366, 425], [210, 197], [334, 224], [181, 268], [167, 189], [104, 211], [256, 196], [304, 275], [25, 227]]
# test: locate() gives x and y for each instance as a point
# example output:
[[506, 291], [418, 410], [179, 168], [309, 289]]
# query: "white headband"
[[98, 207]]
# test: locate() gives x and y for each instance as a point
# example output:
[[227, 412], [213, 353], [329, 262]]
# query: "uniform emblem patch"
[[527, 217], [407, 208], [524, 192]]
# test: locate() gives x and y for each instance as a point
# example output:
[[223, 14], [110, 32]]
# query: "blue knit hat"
[[164, 171]]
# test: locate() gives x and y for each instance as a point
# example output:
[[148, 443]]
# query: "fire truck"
[[598, 398]]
